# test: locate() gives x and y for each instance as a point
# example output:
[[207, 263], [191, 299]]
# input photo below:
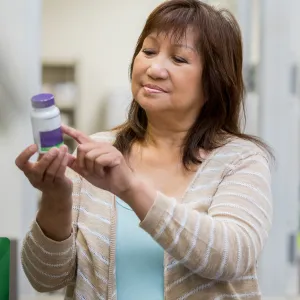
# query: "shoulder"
[[237, 150]]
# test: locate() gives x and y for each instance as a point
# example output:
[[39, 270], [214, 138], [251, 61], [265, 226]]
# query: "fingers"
[[40, 156], [43, 164], [64, 163], [22, 160], [45, 169], [75, 168], [71, 160], [77, 135], [54, 167], [96, 161], [89, 159], [93, 158], [99, 148], [109, 160]]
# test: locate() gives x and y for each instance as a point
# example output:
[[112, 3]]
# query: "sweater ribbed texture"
[[212, 237]]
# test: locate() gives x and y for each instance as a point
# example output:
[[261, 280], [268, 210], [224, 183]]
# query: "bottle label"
[[50, 139]]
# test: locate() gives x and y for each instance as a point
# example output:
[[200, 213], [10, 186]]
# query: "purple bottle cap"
[[42, 100]]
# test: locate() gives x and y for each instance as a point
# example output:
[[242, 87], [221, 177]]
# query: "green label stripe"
[[48, 148], [4, 268]]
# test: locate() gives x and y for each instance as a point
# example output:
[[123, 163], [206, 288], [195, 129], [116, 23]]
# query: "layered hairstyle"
[[219, 44]]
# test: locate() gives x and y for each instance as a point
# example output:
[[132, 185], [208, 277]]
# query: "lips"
[[152, 88]]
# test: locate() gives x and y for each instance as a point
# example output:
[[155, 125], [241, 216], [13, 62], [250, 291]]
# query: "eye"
[[148, 52], [179, 59]]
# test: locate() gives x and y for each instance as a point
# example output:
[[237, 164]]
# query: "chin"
[[150, 106], [151, 102], [146, 105]]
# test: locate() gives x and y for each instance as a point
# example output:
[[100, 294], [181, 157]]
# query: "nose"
[[157, 71]]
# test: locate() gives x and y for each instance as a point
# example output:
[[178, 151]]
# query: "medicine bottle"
[[46, 122]]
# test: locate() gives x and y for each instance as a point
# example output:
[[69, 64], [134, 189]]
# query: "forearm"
[[49, 265], [55, 221], [199, 241], [225, 241]]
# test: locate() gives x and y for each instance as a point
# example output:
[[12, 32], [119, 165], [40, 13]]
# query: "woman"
[[176, 202]]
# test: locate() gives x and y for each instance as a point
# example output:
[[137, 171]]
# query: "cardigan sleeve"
[[225, 242], [50, 265]]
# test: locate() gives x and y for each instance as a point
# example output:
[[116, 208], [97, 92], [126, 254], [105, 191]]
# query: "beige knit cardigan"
[[212, 237]]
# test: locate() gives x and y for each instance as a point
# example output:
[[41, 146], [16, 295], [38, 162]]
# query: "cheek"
[[190, 82], [134, 77], [138, 67], [138, 72], [189, 88], [195, 81]]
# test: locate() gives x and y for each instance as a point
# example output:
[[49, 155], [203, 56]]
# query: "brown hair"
[[219, 43]]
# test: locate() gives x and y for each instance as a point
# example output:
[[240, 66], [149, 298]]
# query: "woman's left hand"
[[101, 164]]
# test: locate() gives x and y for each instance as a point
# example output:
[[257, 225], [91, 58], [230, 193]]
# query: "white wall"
[[279, 126], [19, 80], [101, 36]]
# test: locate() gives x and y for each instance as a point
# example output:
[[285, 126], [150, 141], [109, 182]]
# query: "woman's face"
[[167, 76]]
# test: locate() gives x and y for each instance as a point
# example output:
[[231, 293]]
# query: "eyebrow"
[[184, 46], [175, 45]]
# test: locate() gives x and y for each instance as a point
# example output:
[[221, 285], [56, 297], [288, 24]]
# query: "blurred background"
[[80, 51]]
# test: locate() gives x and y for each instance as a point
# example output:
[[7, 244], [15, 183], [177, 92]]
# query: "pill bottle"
[[46, 122]]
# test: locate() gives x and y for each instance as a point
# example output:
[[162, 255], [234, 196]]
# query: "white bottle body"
[[46, 128]]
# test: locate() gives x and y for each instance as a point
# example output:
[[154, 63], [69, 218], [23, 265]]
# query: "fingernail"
[[53, 151], [62, 147], [32, 148]]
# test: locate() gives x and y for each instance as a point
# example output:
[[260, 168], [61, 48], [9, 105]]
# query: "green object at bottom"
[[46, 149], [4, 268]]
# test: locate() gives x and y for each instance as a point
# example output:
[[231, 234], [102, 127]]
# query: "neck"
[[166, 134]]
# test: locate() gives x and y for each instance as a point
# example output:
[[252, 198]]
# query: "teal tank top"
[[139, 259]]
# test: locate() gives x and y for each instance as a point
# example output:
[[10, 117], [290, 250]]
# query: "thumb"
[[71, 160], [72, 164]]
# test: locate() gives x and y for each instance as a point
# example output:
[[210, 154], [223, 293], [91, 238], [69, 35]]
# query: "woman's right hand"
[[48, 173]]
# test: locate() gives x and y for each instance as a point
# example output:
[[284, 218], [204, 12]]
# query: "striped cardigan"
[[212, 236]]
